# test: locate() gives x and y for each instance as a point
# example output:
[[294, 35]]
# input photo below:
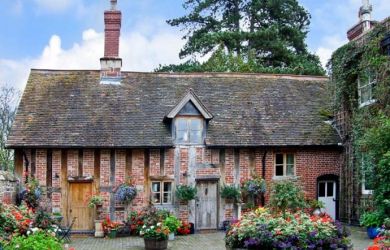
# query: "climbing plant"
[[369, 125]]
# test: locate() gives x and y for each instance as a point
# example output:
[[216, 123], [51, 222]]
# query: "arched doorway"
[[328, 193]]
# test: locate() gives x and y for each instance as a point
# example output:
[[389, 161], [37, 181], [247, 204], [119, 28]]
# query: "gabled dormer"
[[189, 120]]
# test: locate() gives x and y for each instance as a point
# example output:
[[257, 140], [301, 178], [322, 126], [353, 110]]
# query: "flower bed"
[[260, 229]]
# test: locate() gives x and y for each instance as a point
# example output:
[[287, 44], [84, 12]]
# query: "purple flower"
[[313, 233], [251, 242]]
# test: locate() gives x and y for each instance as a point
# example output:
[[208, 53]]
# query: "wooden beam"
[[80, 162], [64, 185], [18, 159], [129, 164], [33, 162], [49, 172], [112, 184], [146, 174]]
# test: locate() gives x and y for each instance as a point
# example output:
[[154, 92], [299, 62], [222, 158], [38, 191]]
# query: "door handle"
[[70, 210]]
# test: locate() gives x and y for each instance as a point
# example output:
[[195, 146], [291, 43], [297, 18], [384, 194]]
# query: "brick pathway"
[[209, 241]]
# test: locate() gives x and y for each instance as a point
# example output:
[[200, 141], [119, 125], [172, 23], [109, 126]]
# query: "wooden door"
[[206, 205], [327, 194], [78, 206]]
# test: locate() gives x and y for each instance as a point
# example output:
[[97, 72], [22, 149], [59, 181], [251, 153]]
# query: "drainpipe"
[[26, 164], [263, 175]]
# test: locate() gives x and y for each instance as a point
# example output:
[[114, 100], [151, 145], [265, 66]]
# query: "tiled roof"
[[72, 109]]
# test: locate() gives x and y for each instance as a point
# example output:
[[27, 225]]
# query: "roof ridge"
[[194, 74]]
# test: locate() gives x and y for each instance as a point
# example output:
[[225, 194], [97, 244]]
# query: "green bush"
[[37, 241], [230, 192], [371, 219], [172, 223], [287, 195], [185, 193]]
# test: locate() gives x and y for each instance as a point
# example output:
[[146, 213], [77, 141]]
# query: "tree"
[[9, 98], [266, 34]]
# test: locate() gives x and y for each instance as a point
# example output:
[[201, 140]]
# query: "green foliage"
[[95, 200], [230, 192], [370, 124], [316, 204], [172, 223], [37, 241], [286, 195], [43, 220], [185, 192], [371, 219], [246, 36]]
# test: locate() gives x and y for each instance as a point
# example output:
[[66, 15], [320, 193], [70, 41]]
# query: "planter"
[[112, 233], [192, 228], [153, 244], [171, 236], [99, 233], [372, 232]]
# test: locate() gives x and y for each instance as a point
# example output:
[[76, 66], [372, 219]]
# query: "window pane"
[[196, 137], [156, 187], [156, 198], [365, 94], [181, 124], [279, 158], [329, 192], [196, 124], [182, 136], [167, 186], [321, 189], [167, 198], [290, 159], [290, 169], [279, 170]]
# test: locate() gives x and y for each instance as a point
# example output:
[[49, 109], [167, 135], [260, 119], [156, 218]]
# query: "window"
[[189, 130], [367, 176], [366, 84], [161, 192], [284, 164]]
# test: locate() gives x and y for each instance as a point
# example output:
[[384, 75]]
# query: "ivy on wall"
[[369, 125]]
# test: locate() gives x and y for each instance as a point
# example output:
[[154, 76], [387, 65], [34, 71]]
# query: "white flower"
[[159, 224], [28, 232], [152, 227], [144, 226], [34, 229]]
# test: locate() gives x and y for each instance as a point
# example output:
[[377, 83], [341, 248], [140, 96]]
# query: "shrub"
[[32, 194], [185, 193], [286, 195], [255, 186], [172, 223], [36, 241], [43, 220], [230, 192]]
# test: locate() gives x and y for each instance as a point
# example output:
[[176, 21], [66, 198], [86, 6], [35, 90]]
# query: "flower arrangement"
[[255, 186], [126, 192], [156, 232], [109, 225], [382, 241], [185, 192], [172, 223], [184, 229], [261, 229], [148, 216], [32, 194], [230, 192]]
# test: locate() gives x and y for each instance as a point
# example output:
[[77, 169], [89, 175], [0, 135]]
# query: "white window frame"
[[161, 193], [364, 190], [188, 120], [371, 82], [285, 165]]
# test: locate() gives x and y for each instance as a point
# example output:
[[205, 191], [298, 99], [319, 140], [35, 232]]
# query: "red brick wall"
[[138, 176], [120, 166], [88, 162], [73, 161], [229, 166], [154, 162], [169, 162], [183, 165], [41, 166]]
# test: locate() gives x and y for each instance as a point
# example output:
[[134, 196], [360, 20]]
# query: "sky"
[[68, 34]]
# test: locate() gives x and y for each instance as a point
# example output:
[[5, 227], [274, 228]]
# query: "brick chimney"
[[111, 63], [365, 23]]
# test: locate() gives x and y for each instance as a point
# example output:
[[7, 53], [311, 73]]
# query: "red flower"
[[374, 247]]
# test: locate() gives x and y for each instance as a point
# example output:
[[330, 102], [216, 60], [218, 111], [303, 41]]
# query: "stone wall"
[[8, 188]]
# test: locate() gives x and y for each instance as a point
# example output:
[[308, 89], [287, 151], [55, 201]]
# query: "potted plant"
[[110, 227], [96, 201], [184, 229], [155, 236], [372, 221], [316, 206], [230, 193], [185, 192], [126, 192], [173, 224]]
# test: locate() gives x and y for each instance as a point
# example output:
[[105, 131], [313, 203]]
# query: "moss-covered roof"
[[72, 109]]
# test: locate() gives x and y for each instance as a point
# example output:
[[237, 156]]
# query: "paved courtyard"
[[209, 241]]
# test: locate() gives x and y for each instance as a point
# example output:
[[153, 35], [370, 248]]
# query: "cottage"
[[80, 131]]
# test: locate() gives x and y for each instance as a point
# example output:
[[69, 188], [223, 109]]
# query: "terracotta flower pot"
[[153, 244]]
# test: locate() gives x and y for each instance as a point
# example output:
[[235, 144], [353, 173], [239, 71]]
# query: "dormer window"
[[366, 85], [189, 130], [188, 119]]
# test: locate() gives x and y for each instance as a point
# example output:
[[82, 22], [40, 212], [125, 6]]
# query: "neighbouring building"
[[356, 192], [81, 131]]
